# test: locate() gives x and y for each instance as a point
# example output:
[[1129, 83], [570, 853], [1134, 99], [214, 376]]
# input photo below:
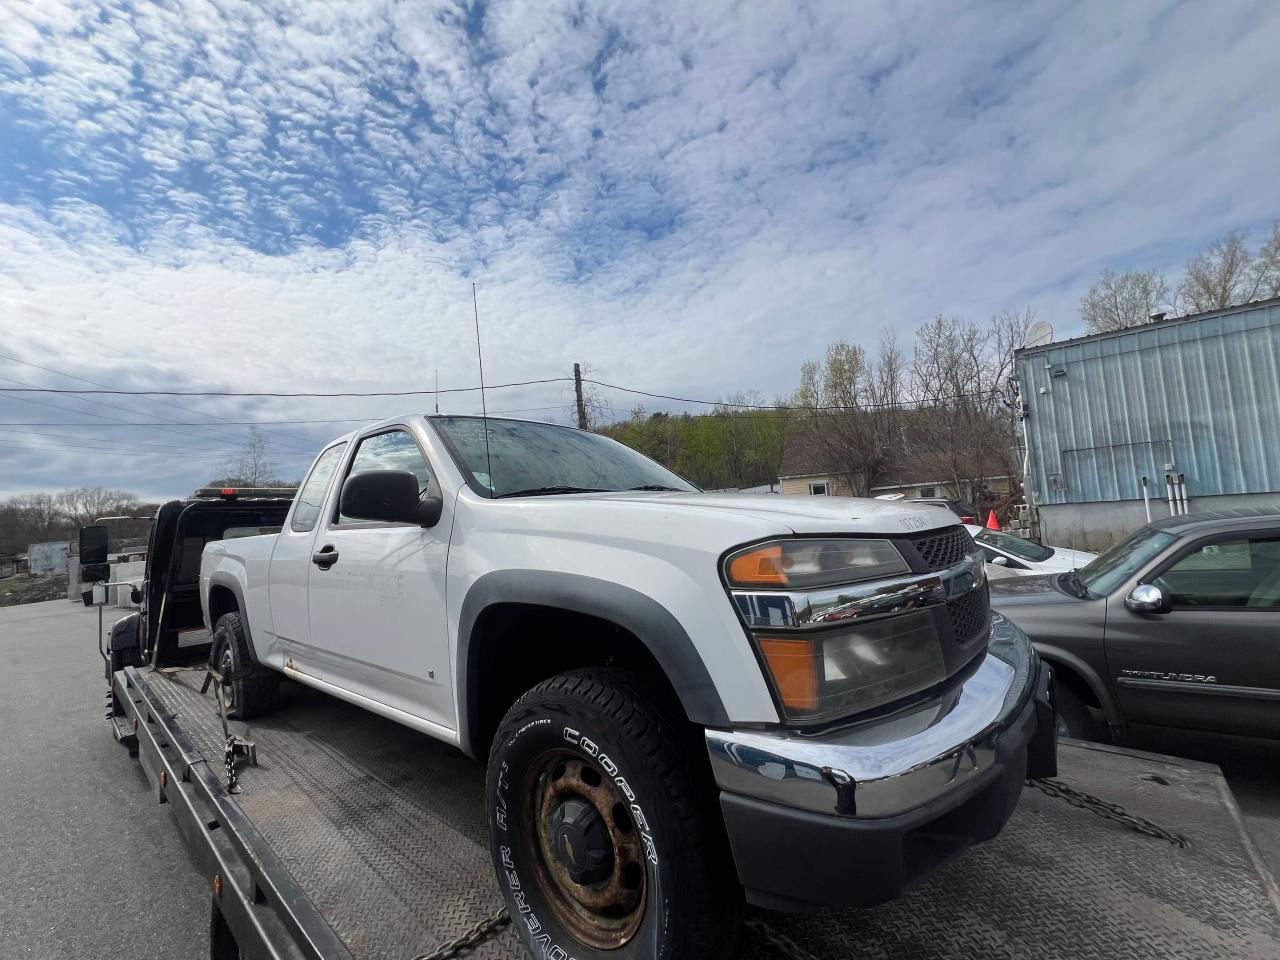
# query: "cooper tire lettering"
[[595, 753]]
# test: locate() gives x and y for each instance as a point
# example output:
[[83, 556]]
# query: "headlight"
[[803, 564], [819, 675]]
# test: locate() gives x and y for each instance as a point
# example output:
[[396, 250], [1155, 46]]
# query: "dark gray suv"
[[1176, 626]]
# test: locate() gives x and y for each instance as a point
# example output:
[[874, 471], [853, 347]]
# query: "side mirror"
[[999, 561], [135, 595], [390, 496], [1147, 598]]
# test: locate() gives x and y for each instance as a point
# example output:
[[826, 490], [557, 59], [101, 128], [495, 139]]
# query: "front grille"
[[945, 549], [969, 613]]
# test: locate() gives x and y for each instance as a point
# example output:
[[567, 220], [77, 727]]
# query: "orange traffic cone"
[[992, 522]]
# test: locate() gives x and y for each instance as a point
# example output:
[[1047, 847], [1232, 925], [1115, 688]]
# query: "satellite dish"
[[1039, 333]]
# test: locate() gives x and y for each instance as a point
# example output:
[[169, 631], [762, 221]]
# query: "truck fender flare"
[[1056, 656], [222, 579], [643, 616]]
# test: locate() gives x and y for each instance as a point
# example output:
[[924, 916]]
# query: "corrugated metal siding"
[[1201, 394]]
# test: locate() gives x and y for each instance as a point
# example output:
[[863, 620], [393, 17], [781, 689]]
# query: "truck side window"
[[394, 450], [1234, 573], [311, 494]]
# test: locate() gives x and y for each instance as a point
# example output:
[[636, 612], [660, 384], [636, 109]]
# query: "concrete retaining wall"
[[1097, 526], [134, 572]]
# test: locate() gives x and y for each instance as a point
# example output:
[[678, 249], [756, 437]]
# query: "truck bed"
[[356, 837]]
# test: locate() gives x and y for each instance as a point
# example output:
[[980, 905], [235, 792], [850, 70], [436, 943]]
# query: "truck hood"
[[1027, 591], [802, 514]]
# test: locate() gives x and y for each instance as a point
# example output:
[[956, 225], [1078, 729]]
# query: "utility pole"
[[577, 393]]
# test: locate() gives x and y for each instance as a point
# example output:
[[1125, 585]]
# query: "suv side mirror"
[[1147, 598], [390, 496]]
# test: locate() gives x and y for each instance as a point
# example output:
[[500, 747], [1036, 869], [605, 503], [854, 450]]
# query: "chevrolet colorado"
[[686, 700]]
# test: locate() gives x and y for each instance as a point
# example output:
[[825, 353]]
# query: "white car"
[[1010, 556], [685, 699]]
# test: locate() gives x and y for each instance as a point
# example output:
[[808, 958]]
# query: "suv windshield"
[[1122, 561], [530, 459], [1014, 546]]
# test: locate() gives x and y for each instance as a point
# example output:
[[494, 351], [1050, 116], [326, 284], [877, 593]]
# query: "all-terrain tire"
[[613, 736], [254, 690]]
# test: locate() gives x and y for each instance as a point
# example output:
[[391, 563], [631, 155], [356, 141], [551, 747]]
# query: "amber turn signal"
[[759, 567], [794, 664]]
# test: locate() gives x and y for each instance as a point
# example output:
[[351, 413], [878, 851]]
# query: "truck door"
[[291, 559], [376, 596], [1213, 661]]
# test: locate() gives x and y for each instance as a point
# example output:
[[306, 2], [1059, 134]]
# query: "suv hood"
[[802, 514]]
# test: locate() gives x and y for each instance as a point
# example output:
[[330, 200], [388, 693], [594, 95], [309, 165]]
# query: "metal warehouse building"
[[1196, 396]]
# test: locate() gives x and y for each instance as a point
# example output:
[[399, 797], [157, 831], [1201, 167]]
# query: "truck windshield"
[[1122, 561], [533, 459], [1015, 546]]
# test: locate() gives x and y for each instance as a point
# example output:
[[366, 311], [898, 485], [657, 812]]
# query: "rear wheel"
[[603, 828], [253, 690]]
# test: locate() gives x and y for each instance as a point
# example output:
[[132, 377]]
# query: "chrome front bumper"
[[908, 759]]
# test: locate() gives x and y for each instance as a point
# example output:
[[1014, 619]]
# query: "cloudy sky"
[[691, 198]]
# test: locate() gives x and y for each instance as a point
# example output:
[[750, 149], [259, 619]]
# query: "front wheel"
[[604, 831], [252, 690]]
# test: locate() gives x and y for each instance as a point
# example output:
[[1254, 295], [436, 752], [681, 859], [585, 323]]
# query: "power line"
[[98, 383], [892, 404], [189, 454], [161, 423], [235, 393], [60, 438], [60, 406]]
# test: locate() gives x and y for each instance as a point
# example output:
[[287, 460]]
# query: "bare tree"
[[851, 404], [252, 467], [38, 517], [1117, 301], [83, 505], [1217, 277], [961, 433], [1265, 272]]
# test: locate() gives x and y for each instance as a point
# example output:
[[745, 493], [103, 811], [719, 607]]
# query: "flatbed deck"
[[354, 837]]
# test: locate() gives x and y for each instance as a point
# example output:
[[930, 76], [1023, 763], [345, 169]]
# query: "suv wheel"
[[252, 690], [603, 831]]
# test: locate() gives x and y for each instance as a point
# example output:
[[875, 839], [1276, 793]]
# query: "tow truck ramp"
[[354, 838]]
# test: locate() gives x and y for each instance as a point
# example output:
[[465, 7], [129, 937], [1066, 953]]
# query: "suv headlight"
[[840, 663]]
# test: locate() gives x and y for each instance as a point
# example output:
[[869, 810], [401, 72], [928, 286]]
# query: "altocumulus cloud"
[[692, 197]]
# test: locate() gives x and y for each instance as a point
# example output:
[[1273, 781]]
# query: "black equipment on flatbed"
[[358, 839], [169, 628]]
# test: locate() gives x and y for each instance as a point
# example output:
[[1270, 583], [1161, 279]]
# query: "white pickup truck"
[[686, 700]]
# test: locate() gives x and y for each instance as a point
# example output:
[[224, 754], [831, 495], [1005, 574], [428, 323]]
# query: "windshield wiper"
[[539, 491], [1073, 585], [656, 486]]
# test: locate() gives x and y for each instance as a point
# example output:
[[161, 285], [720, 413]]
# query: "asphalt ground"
[[87, 873], [93, 871]]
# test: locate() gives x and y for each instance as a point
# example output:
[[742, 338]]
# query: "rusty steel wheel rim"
[[587, 854]]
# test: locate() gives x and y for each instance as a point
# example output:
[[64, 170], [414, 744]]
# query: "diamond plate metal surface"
[[385, 829]]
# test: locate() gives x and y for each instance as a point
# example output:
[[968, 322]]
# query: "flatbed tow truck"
[[329, 833]]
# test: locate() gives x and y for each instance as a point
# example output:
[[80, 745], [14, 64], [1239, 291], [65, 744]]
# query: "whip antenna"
[[484, 412]]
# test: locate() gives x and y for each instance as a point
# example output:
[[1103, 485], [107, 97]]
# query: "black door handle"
[[325, 557]]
